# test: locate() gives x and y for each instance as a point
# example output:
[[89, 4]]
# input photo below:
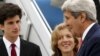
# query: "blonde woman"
[[63, 42]]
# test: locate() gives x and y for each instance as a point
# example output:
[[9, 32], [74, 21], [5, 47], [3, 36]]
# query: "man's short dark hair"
[[8, 10]]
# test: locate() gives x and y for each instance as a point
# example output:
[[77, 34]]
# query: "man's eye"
[[66, 17], [10, 23], [18, 21]]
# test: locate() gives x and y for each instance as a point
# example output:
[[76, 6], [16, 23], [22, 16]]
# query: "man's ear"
[[83, 16], [1, 27]]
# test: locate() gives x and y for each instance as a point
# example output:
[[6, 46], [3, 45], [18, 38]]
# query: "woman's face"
[[66, 41]]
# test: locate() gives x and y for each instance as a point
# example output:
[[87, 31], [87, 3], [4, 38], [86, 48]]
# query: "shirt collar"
[[86, 31], [8, 43], [17, 42]]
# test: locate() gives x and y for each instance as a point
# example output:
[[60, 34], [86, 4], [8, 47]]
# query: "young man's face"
[[11, 27]]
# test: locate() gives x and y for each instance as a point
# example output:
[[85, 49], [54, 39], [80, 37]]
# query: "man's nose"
[[15, 26], [66, 24]]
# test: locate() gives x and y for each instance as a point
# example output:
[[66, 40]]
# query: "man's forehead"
[[67, 12]]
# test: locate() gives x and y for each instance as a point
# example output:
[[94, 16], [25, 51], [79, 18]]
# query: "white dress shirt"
[[87, 30], [8, 46]]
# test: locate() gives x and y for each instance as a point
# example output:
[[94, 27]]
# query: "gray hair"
[[86, 6]]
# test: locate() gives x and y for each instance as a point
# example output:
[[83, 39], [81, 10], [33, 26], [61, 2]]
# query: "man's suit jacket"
[[91, 43], [26, 49]]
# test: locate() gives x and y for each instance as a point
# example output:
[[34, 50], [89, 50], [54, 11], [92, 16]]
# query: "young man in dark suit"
[[11, 44], [80, 17]]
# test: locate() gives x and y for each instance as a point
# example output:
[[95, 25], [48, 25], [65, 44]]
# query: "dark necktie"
[[13, 51]]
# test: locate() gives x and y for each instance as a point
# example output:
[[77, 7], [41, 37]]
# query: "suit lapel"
[[3, 51], [23, 51], [91, 32]]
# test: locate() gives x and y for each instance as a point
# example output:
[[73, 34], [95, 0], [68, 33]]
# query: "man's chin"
[[16, 35]]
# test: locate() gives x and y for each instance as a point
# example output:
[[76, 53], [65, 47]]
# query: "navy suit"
[[91, 43], [26, 49]]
